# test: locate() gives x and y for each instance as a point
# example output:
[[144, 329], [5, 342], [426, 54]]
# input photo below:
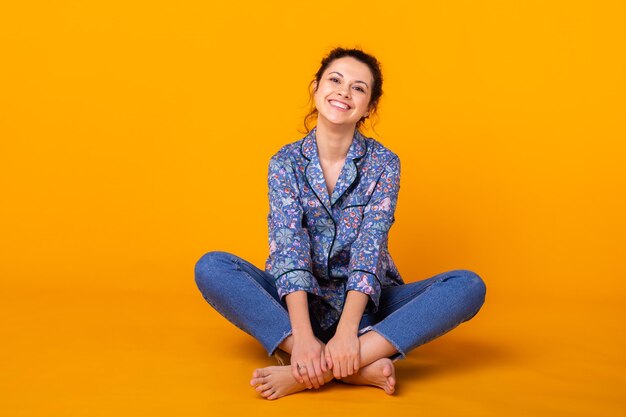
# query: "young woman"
[[331, 301]]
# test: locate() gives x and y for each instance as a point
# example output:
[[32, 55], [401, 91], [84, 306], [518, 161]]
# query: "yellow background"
[[135, 136]]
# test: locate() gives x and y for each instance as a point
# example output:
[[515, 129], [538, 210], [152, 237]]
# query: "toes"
[[391, 385], [258, 381], [273, 396], [387, 369], [268, 393], [263, 387], [386, 372]]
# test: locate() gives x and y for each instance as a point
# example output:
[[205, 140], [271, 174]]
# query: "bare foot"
[[277, 381], [380, 373]]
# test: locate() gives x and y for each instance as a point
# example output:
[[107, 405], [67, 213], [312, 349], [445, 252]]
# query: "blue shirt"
[[327, 244]]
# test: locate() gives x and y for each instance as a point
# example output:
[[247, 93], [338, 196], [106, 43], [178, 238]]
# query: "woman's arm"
[[307, 350]]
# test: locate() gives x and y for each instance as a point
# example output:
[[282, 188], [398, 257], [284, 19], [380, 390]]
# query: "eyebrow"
[[357, 81]]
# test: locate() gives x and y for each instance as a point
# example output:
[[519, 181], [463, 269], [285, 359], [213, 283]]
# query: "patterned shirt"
[[328, 245]]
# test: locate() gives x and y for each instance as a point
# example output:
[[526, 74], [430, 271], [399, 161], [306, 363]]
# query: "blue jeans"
[[408, 316]]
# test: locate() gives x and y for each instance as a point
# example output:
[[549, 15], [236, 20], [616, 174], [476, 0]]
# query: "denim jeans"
[[408, 316]]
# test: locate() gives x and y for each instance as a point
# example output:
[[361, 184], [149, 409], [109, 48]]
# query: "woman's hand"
[[307, 361], [343, 351], [342, 354]]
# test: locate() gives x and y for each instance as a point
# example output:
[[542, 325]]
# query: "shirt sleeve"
[[289, 243], [367, 265]]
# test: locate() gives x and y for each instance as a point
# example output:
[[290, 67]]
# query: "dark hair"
[[367, 59]]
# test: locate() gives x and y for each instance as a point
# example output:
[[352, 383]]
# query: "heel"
[[282, 357]]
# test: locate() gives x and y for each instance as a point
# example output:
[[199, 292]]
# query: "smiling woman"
[[336, 68], [331, 303]]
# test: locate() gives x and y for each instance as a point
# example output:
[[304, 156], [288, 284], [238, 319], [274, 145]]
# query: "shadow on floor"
[[437, 358], [452, 355]]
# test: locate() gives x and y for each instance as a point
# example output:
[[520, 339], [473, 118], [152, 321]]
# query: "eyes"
[[336, 80]]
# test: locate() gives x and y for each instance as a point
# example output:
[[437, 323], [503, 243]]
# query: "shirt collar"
[[357, 147]]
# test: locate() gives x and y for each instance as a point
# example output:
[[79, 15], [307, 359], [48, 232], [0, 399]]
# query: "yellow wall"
[[135, 137]]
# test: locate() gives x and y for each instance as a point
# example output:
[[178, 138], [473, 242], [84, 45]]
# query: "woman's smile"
[[339, 105]]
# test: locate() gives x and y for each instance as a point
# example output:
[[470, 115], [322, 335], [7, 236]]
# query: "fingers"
[[300, 373], [323, 363], [310, 375], [307, 380], [344, 368], [332, 364], [295, 372], [318, 373], [336, 368], [351, 365], [308, 372], [329, 359]]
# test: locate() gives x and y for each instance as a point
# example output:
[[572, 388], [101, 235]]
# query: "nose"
[[342, 91]]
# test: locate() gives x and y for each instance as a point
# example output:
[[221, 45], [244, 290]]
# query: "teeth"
[[337, 104]]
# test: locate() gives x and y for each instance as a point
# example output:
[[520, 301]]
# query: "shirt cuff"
[[297, 280], [367, 283]]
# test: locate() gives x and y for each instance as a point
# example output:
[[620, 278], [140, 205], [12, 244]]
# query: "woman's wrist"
[[348, 328], [302, 332], [297, 305], [352, 313]]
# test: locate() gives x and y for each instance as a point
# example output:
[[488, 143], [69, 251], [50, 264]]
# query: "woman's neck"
[[333, 141]]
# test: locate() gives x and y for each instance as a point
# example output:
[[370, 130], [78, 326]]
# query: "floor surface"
[[70, 352]]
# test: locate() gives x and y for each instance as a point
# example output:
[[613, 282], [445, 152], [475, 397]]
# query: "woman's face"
[[343, 93]]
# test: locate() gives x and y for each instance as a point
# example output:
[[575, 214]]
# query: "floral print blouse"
[[330, 244]]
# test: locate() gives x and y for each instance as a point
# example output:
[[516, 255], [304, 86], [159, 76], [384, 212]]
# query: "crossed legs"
[[409, 315]]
